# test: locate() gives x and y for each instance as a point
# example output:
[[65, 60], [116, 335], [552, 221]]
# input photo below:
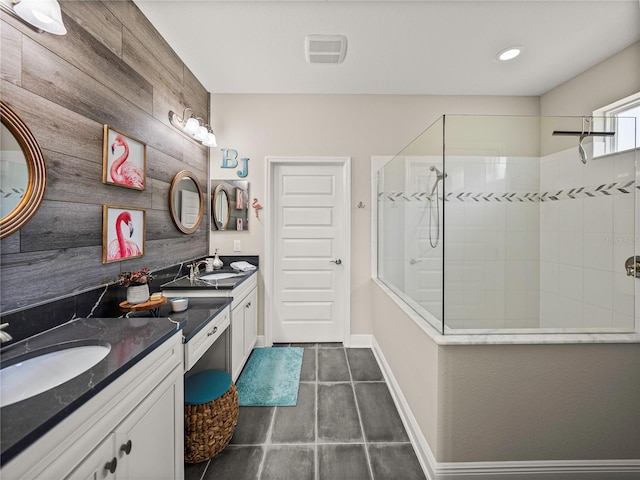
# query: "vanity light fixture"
[[509, 53], [190, 125], [39, 15]]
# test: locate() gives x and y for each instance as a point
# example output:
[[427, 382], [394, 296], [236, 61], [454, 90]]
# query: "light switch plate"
[[237, 246]]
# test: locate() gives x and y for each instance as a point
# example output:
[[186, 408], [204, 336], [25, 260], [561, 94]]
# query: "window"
[[623, 117]]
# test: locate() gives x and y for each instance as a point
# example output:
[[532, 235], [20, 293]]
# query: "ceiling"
[[394, 47]]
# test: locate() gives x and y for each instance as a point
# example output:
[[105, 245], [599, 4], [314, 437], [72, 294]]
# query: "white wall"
[[609, 81]]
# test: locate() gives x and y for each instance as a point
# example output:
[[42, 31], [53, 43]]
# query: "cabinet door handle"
[[126, 447], [112, 465], [215, 329], [247, 305]]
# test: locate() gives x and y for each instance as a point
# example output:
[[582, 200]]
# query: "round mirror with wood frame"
[[185, 202], [36, 168], [220, 208]]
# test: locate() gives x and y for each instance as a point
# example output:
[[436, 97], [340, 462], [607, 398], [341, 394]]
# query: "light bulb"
[[43, 14], [192, 126], [210, 141], [201, 134], [509, 53]]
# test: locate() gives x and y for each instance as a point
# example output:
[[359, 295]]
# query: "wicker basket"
[[208, 428]]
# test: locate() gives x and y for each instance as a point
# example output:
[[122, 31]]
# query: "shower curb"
[[530, 470]]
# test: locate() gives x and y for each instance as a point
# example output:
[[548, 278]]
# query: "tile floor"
[[345, 426]]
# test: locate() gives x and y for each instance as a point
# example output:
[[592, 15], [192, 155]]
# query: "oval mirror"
[[220, 208], [24, 173], [185, 202]]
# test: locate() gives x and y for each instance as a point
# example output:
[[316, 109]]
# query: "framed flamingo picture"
[[123, 233], [124, 160]]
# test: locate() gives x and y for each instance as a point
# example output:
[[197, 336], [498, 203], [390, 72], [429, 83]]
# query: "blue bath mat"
[[270, 377]]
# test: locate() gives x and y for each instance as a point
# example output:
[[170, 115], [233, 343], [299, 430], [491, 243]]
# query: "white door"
[[310, 251]]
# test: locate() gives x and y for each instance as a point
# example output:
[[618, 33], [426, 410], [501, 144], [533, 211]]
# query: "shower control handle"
[[337, 262], [632, 266]]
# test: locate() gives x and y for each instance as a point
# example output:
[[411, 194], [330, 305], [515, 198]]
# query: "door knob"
[[337, 262], [126, 447], [111, 466]]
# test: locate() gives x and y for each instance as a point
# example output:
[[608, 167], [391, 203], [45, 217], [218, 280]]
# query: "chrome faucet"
[[194, 269], [4, 336]]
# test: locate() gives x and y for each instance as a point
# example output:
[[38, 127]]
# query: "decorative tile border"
[[13, 193], [603, 190]]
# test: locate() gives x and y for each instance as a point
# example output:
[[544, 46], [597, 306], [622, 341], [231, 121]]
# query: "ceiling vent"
[[325, 48]]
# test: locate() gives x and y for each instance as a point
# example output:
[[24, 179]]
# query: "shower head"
[[439, 176]]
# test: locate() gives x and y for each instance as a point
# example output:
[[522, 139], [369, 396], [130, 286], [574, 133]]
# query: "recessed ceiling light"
[[509, 53]]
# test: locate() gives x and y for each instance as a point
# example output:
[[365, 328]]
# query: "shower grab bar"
[[578, 133], [586, 132]]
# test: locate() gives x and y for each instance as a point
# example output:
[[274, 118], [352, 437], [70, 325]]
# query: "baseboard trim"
[[420, 445], [525, 470], [361, 341], [542, 470]]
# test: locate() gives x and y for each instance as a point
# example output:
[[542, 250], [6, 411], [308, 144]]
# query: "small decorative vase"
[[217, 263], [138, 294]]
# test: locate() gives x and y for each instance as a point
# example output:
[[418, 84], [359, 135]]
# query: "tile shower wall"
[[586, 234], [492, 217]]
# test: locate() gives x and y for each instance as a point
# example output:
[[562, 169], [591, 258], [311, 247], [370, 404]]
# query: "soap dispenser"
[[217, 263]]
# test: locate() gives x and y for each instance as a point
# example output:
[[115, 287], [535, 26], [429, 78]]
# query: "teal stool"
[[210, 414]]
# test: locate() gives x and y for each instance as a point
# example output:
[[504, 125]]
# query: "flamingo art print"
[[124, 159], [123, 172], [123, 247]]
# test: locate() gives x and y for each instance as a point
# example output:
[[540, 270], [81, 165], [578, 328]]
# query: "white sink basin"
[[220, 276], [41, 373]]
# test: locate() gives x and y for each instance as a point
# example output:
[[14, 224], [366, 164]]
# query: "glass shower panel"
[[410, 225], [495, 224], [492, 211]]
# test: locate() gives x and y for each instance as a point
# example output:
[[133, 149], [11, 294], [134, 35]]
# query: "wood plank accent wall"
[[112, 68]]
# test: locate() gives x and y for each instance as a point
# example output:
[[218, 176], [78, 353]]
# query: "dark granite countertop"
[[131, 339], [222, 284], [200, 312]]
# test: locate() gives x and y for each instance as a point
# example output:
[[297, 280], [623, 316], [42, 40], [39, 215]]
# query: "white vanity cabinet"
[[244, 330], [94, 467], [145, 439], [141, 446], [196, 347], [131, 430], [243, 321]]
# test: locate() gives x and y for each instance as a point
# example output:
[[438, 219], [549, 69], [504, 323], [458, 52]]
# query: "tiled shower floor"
[[345, 426]]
